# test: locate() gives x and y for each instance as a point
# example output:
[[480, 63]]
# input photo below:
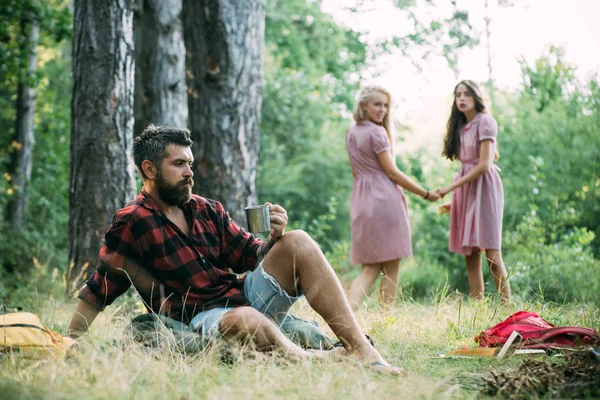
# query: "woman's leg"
[[389, 281], [363, 283], [475, 275], [498, 270]]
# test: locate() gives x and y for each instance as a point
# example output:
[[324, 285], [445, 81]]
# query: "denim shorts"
[[263, 293]]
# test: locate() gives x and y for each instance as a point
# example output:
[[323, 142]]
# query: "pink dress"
[[477, 207], [378, 210]]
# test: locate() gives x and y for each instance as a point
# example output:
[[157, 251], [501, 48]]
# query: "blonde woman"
[[378, 209]]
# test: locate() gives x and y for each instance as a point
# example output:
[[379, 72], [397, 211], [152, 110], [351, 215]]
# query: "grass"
[[409, 334]]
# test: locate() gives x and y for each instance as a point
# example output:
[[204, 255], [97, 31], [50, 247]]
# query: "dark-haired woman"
[[477, 193]]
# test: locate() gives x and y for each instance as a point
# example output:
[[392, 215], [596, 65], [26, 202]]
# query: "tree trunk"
[[160, 88], [225, 50], [102, 173], [20, 169]]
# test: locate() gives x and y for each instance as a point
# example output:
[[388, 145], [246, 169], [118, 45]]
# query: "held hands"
[[443, 191], [279, 218], [433, 196]]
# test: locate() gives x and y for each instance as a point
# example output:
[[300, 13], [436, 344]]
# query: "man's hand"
[[279, 219]]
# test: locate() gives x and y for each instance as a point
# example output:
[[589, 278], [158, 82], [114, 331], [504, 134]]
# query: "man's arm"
[[264, 247], [82, 319]]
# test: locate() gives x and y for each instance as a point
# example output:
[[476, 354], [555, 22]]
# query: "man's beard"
[[173, 195]]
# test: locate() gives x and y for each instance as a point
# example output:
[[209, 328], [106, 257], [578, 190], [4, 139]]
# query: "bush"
[[561, 271], [424, 281], [27, 277]]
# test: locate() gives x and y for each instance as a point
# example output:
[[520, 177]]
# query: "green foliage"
[[436, 265], [314, 186], [54, 19], [550, 151], [547, 81], [49, 195], [45, 235], [424, 281], [563, 270], [308, 41], [433, 32], [310, 66], [22, 286]]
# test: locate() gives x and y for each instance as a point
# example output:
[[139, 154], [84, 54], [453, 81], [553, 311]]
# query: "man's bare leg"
[[296, 261], [248, 324]]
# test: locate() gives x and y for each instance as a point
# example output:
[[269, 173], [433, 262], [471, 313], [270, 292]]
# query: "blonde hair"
[[387, 123]]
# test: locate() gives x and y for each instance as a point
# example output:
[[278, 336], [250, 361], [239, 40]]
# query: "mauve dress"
[[378, 210], [477, 207]]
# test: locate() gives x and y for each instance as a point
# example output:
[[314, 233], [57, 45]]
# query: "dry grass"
[[409, 334]]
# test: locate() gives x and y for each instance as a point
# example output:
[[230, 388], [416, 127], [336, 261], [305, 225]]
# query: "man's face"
[[174, 177]]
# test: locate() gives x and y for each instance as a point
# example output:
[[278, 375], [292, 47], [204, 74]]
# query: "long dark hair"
[[458, 119]]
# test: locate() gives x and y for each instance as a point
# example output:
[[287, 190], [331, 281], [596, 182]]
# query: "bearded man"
[[179, 250]]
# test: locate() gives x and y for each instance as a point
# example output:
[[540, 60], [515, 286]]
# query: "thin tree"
[[160, 87], [225, 51], [488, 35], [22, 156], [102, 175]]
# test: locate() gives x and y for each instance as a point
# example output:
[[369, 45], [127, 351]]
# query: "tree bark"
[[102, 173], [160, 87], [225, 51], [20, 168]]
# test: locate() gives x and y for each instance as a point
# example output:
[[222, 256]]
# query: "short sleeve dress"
[[378, 209], [477, 207]]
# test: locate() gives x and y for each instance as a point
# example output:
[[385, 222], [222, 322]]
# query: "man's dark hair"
[[152, 143]]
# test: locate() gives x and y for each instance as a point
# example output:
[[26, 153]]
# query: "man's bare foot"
[[370, 357], [385, 368], [334, 354], [340, 353]]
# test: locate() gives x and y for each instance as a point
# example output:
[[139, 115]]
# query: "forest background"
[[549, 142]]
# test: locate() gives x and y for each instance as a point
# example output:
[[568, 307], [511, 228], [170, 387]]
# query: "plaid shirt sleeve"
[[118, 255], [239, 249]]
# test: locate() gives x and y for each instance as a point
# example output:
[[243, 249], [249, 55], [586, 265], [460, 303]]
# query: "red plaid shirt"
[[175, 274]]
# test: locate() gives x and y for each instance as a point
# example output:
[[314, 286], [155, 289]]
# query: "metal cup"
[[258, 219]]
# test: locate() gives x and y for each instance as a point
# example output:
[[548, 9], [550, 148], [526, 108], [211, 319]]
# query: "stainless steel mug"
[[258, 219]]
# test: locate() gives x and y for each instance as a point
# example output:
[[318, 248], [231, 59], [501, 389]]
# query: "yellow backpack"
[[23, 335]]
